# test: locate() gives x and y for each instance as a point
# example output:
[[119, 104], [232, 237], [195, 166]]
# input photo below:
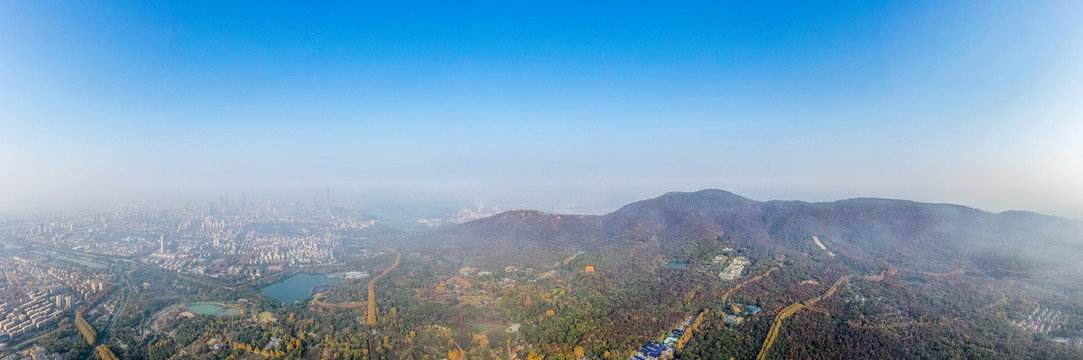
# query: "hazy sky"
[[972, 102]]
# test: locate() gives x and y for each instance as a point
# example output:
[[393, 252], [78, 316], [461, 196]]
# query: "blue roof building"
[[653, 349]]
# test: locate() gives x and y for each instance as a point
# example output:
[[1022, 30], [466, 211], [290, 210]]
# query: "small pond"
[[212, 309], [677, 264]]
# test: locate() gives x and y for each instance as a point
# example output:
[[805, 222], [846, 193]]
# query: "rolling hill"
[[932, 237], [897, 279]]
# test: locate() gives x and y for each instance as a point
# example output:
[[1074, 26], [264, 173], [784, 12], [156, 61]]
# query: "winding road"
[[372, 288]]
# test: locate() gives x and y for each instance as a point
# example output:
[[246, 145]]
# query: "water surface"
[[212, 309], [677, 264], [83, 262], [297, 287]]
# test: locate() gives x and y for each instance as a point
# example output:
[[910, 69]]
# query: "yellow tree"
[[481, 340], [88, 332]]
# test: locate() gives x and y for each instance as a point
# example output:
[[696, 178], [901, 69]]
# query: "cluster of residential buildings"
[[354, 224], [37, 352], [248, 254], [207, 239], [1040, 320], [41, 271], [37, 290], [93, 235], [308, 249], [184, 264], [136, 230], [229, 239], [48, 263], [29, 316]]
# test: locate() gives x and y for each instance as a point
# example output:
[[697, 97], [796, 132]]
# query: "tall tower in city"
[[161, 245]]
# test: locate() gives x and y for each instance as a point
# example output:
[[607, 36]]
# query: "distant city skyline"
[[967, 102]]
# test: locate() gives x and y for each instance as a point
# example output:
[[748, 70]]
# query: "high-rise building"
[[161, 244]]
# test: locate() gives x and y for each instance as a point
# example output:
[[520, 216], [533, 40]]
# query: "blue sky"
[[972, 102]]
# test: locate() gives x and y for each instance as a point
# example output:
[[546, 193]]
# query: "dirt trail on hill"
[[794, 308], [372, 288]]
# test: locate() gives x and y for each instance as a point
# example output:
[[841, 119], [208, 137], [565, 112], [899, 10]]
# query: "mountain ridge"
[[917, 279], [737, 196], [904, 231]]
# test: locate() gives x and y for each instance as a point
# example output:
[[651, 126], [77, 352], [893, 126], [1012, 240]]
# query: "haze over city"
[[550, 104]]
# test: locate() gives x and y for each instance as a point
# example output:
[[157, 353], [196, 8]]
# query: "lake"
[[677, 264], [212, 309], [297, 287]]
